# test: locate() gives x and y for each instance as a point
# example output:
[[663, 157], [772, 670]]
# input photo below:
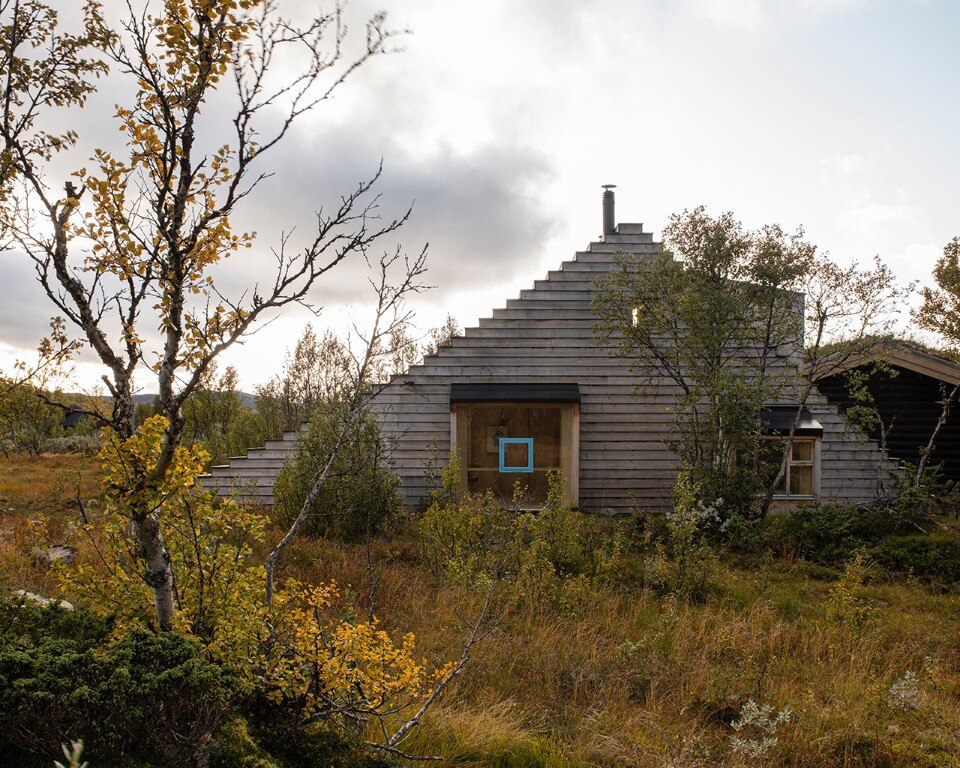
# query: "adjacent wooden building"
[[910, 390]]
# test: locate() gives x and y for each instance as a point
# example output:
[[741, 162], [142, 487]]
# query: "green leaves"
[[941, 305], [716, 317]]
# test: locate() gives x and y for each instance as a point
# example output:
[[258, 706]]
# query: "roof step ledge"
[[632, 245], [644, 239]]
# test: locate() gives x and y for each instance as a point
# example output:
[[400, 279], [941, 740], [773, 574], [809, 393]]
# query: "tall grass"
[[631, 678], [627, 677]]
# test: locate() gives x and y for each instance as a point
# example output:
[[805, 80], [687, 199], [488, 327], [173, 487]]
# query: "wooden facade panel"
[[546, 336]]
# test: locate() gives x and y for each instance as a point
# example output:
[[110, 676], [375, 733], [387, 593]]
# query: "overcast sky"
[[501, 120]]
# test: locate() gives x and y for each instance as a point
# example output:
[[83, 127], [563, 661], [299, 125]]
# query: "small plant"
[[756, 730], [904, 693], [849, 604], [474, 540], [687, 563]]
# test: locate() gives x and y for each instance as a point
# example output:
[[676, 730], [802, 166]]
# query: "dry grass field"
[[614, 676]]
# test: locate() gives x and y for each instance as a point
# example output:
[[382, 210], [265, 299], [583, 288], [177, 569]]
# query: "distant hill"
[[147, 397]]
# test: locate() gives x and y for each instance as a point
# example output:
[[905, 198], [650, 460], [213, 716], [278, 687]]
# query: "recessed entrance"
[[503, 444]]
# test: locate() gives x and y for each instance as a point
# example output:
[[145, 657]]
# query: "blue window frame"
[[527, 441]]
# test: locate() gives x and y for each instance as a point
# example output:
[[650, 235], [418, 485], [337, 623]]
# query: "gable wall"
[[547, 336]]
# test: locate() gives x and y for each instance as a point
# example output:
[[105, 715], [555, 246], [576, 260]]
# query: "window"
[[501, 444], [802, 476], [509, 445]]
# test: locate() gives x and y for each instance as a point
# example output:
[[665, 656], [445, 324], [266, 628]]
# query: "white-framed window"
[[801, 480]]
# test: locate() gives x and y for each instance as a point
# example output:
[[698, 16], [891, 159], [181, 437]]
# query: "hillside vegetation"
[[778, 661]]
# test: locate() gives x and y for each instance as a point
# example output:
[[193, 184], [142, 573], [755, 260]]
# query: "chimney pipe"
[[609, 216]]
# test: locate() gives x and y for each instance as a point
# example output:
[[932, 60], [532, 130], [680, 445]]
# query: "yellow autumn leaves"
[[307, 648]]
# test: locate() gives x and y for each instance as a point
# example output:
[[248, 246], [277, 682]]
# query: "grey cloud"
[[477, 211], [25, 309]]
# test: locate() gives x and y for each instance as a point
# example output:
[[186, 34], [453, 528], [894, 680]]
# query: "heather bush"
[[756, 730], [831, 533], [87, 445], [64, 677]]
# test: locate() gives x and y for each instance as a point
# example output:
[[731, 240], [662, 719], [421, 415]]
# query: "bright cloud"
[[502, 119]]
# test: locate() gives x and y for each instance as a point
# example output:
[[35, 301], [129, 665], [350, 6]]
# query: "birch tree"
[[714, 317], [735, 320], [125, 247]]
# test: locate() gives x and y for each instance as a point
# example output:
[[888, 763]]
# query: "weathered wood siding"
[[853, 468], [546, 335]]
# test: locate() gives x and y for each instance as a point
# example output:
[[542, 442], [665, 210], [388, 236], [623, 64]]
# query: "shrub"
[[235, 747], [824, 533], [360, 495], [683, 562], [933, 557], [62, 678], [210, 544], [848, 604], [756, 729], [831, 533], [933, 495], [88, 445], [474, 539], [320, 744], [305, 652]]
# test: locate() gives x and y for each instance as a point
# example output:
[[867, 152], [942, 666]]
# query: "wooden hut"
[[531, 389], [910, 390]]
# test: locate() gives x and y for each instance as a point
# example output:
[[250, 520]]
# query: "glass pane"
[[803, 450], [801, 481], [479, 429], [516, 455]]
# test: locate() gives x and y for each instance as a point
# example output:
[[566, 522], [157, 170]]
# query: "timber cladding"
[[546, 337], [909, 403], [616, 446]]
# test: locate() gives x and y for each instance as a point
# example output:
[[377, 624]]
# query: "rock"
[[55, 553], [32, 597]]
